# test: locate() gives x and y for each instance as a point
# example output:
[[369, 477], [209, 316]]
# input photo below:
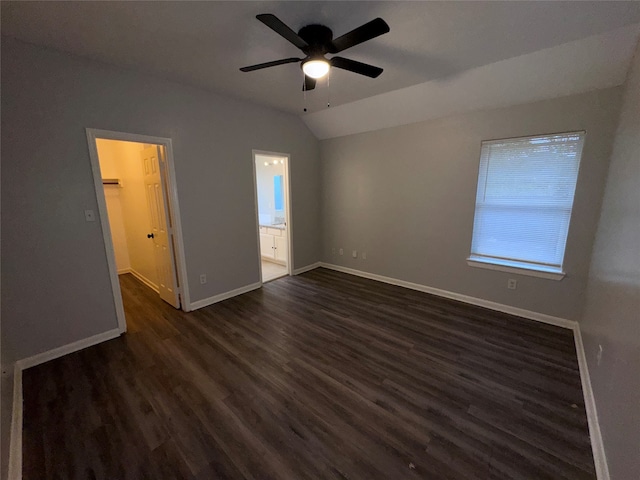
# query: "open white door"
[[153, 165]]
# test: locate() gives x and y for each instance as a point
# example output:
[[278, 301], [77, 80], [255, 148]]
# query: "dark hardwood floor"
[[323, 375]]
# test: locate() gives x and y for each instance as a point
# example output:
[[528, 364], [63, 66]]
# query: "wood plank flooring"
[[319, 376]]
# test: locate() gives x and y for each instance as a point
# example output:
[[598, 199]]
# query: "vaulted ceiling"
[[205, 43]]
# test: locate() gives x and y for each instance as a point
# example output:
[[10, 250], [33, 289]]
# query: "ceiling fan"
[[316, 41]]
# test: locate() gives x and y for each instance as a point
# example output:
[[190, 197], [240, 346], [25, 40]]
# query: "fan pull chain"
[[329, 89], [304, 92]]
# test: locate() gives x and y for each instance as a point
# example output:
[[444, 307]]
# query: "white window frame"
[[515, 266]]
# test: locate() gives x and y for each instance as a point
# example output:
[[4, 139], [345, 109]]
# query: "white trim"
[[257, 212], [597, 445], [15, 442], [287, 205], [123, 271], [15, 448], [67, 349], [106, 229], [520, 271], [288, 214], [520, 312], [181, 269], [307, 268], [144, 280], [223, 296]]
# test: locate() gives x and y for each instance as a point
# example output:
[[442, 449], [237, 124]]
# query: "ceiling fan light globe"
[[315, 68]]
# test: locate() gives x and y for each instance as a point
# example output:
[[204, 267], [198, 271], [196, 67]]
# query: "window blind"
[[524, 200]]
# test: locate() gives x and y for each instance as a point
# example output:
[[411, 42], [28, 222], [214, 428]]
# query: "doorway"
[[133, 176], [271, 174]]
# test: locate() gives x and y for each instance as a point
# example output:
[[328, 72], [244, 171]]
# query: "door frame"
[[287, 203], [174, 211]]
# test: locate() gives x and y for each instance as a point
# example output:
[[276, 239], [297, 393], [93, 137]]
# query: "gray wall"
[[611, 315], [55, 282], [406, 196]]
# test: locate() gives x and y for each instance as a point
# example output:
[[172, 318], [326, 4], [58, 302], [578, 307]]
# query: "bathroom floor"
[[271, 271]]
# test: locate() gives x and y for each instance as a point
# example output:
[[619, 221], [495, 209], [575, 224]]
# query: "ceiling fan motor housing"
[[319, 39]]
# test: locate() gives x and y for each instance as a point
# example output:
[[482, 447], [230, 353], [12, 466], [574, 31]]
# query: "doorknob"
[[149, 235]]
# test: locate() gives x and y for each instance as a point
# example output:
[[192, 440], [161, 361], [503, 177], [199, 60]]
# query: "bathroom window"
[[278, 192]]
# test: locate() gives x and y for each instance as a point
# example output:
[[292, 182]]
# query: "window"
[[278, 192], [523, 203]]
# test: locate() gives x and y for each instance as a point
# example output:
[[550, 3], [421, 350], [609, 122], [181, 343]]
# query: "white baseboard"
[[15, 449], [144, 280], [223, 296], [307, 268], [597, 445], [66, 349], [519, 312], [15, 445], [123, 271]]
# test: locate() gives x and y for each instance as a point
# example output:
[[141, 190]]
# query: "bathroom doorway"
[[272, 202]]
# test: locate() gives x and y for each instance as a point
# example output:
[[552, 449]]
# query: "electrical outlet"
[[341, 252], [364, 255], [203, 279], [599, 356], [354, 254], [512, 284]]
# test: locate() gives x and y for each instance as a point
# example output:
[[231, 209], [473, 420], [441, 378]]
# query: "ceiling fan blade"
[[278, 26], [309, 83], [270, 64], [356, 67], [369, 30]]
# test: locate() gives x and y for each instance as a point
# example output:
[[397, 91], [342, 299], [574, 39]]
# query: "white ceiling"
[[205, 43]]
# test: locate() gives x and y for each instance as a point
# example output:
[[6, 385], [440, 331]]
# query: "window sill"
[[521, 271]]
